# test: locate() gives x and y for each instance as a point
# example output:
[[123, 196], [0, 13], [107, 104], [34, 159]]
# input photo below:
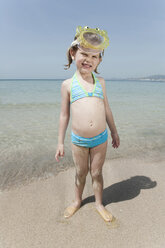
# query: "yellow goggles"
[[91, 38]]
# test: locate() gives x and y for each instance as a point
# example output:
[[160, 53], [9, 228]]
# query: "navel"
[[91, 123]]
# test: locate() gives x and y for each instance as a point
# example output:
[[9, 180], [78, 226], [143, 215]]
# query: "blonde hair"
[[70, 60]]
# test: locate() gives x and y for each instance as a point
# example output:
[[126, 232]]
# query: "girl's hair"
[[75, 48]]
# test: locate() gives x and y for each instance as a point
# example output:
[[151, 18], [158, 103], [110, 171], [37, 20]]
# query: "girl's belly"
[[88, 117]]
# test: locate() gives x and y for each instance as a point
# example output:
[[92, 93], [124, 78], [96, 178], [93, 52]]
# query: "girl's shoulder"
[[66, 84], [102, 81]]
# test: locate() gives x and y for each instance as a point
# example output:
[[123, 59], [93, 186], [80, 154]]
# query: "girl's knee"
[[80, 180], [80, 176], [81, 172], [96, 174]]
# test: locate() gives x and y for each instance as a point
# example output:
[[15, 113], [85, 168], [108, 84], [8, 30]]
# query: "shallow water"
[[30, 109]]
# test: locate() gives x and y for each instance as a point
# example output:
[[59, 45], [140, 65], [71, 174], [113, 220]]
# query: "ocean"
[[29, 112]]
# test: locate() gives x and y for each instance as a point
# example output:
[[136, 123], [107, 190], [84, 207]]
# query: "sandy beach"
[[32, 215]]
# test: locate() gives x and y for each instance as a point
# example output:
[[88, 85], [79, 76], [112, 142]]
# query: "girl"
[[86, 95]]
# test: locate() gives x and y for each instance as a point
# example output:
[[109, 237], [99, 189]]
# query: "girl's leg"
[[97, 158], [81, 159]]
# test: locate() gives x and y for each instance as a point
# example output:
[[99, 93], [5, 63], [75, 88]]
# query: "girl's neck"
[[85, 76]]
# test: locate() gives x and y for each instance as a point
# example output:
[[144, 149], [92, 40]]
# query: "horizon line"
[[62, 79], [151, 77]]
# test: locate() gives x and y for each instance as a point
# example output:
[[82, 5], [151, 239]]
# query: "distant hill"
[[155, 78]]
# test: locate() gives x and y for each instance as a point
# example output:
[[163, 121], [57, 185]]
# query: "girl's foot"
[[69, 211], [105, 214]]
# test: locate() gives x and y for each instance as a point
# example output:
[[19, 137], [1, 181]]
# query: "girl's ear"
[[72, 54]]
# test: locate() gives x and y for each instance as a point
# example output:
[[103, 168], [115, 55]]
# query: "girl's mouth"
[[86, 65]]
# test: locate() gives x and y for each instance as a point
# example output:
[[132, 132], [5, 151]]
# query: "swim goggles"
[[91, 38]]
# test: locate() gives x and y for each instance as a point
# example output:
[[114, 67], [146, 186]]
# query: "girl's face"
[[86, 62]]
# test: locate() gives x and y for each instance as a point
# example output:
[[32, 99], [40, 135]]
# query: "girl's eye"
[[84, 54]]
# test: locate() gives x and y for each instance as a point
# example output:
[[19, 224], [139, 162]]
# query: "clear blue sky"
[[35, 35]]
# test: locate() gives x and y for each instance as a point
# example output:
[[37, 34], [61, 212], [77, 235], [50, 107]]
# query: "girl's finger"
[[61, 154], [56, 157]]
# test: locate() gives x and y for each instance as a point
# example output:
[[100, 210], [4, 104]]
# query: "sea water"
[[29, 119]]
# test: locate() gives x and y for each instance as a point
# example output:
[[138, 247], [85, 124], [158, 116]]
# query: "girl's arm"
[[109, 117], [64, 120], [64, 114]]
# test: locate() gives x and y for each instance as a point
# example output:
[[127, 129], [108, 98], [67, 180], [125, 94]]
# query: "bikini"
[[78, 92]]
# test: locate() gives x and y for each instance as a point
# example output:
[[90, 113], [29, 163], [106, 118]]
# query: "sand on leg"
[[81, 160], [97, 158]]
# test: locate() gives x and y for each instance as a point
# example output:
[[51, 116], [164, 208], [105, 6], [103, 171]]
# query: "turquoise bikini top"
[[77, 90]]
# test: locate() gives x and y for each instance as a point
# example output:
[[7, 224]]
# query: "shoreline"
[[62, 167]]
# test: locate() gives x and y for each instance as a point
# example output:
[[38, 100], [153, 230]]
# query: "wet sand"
[[32, 215]]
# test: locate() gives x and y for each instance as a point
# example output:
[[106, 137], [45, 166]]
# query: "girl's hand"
[[115, 140], [59, 152]]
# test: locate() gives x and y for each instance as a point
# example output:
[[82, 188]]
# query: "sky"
[[35, 36]]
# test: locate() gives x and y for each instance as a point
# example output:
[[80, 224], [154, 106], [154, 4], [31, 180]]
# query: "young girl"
[[86, 95]]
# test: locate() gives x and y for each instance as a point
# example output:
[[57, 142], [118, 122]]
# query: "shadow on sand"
[[124, 190]]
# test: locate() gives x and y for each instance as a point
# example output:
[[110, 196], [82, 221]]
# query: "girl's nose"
[[88, 59]]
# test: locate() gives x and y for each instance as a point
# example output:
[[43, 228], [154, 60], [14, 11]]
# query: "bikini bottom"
[[89, 142]]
